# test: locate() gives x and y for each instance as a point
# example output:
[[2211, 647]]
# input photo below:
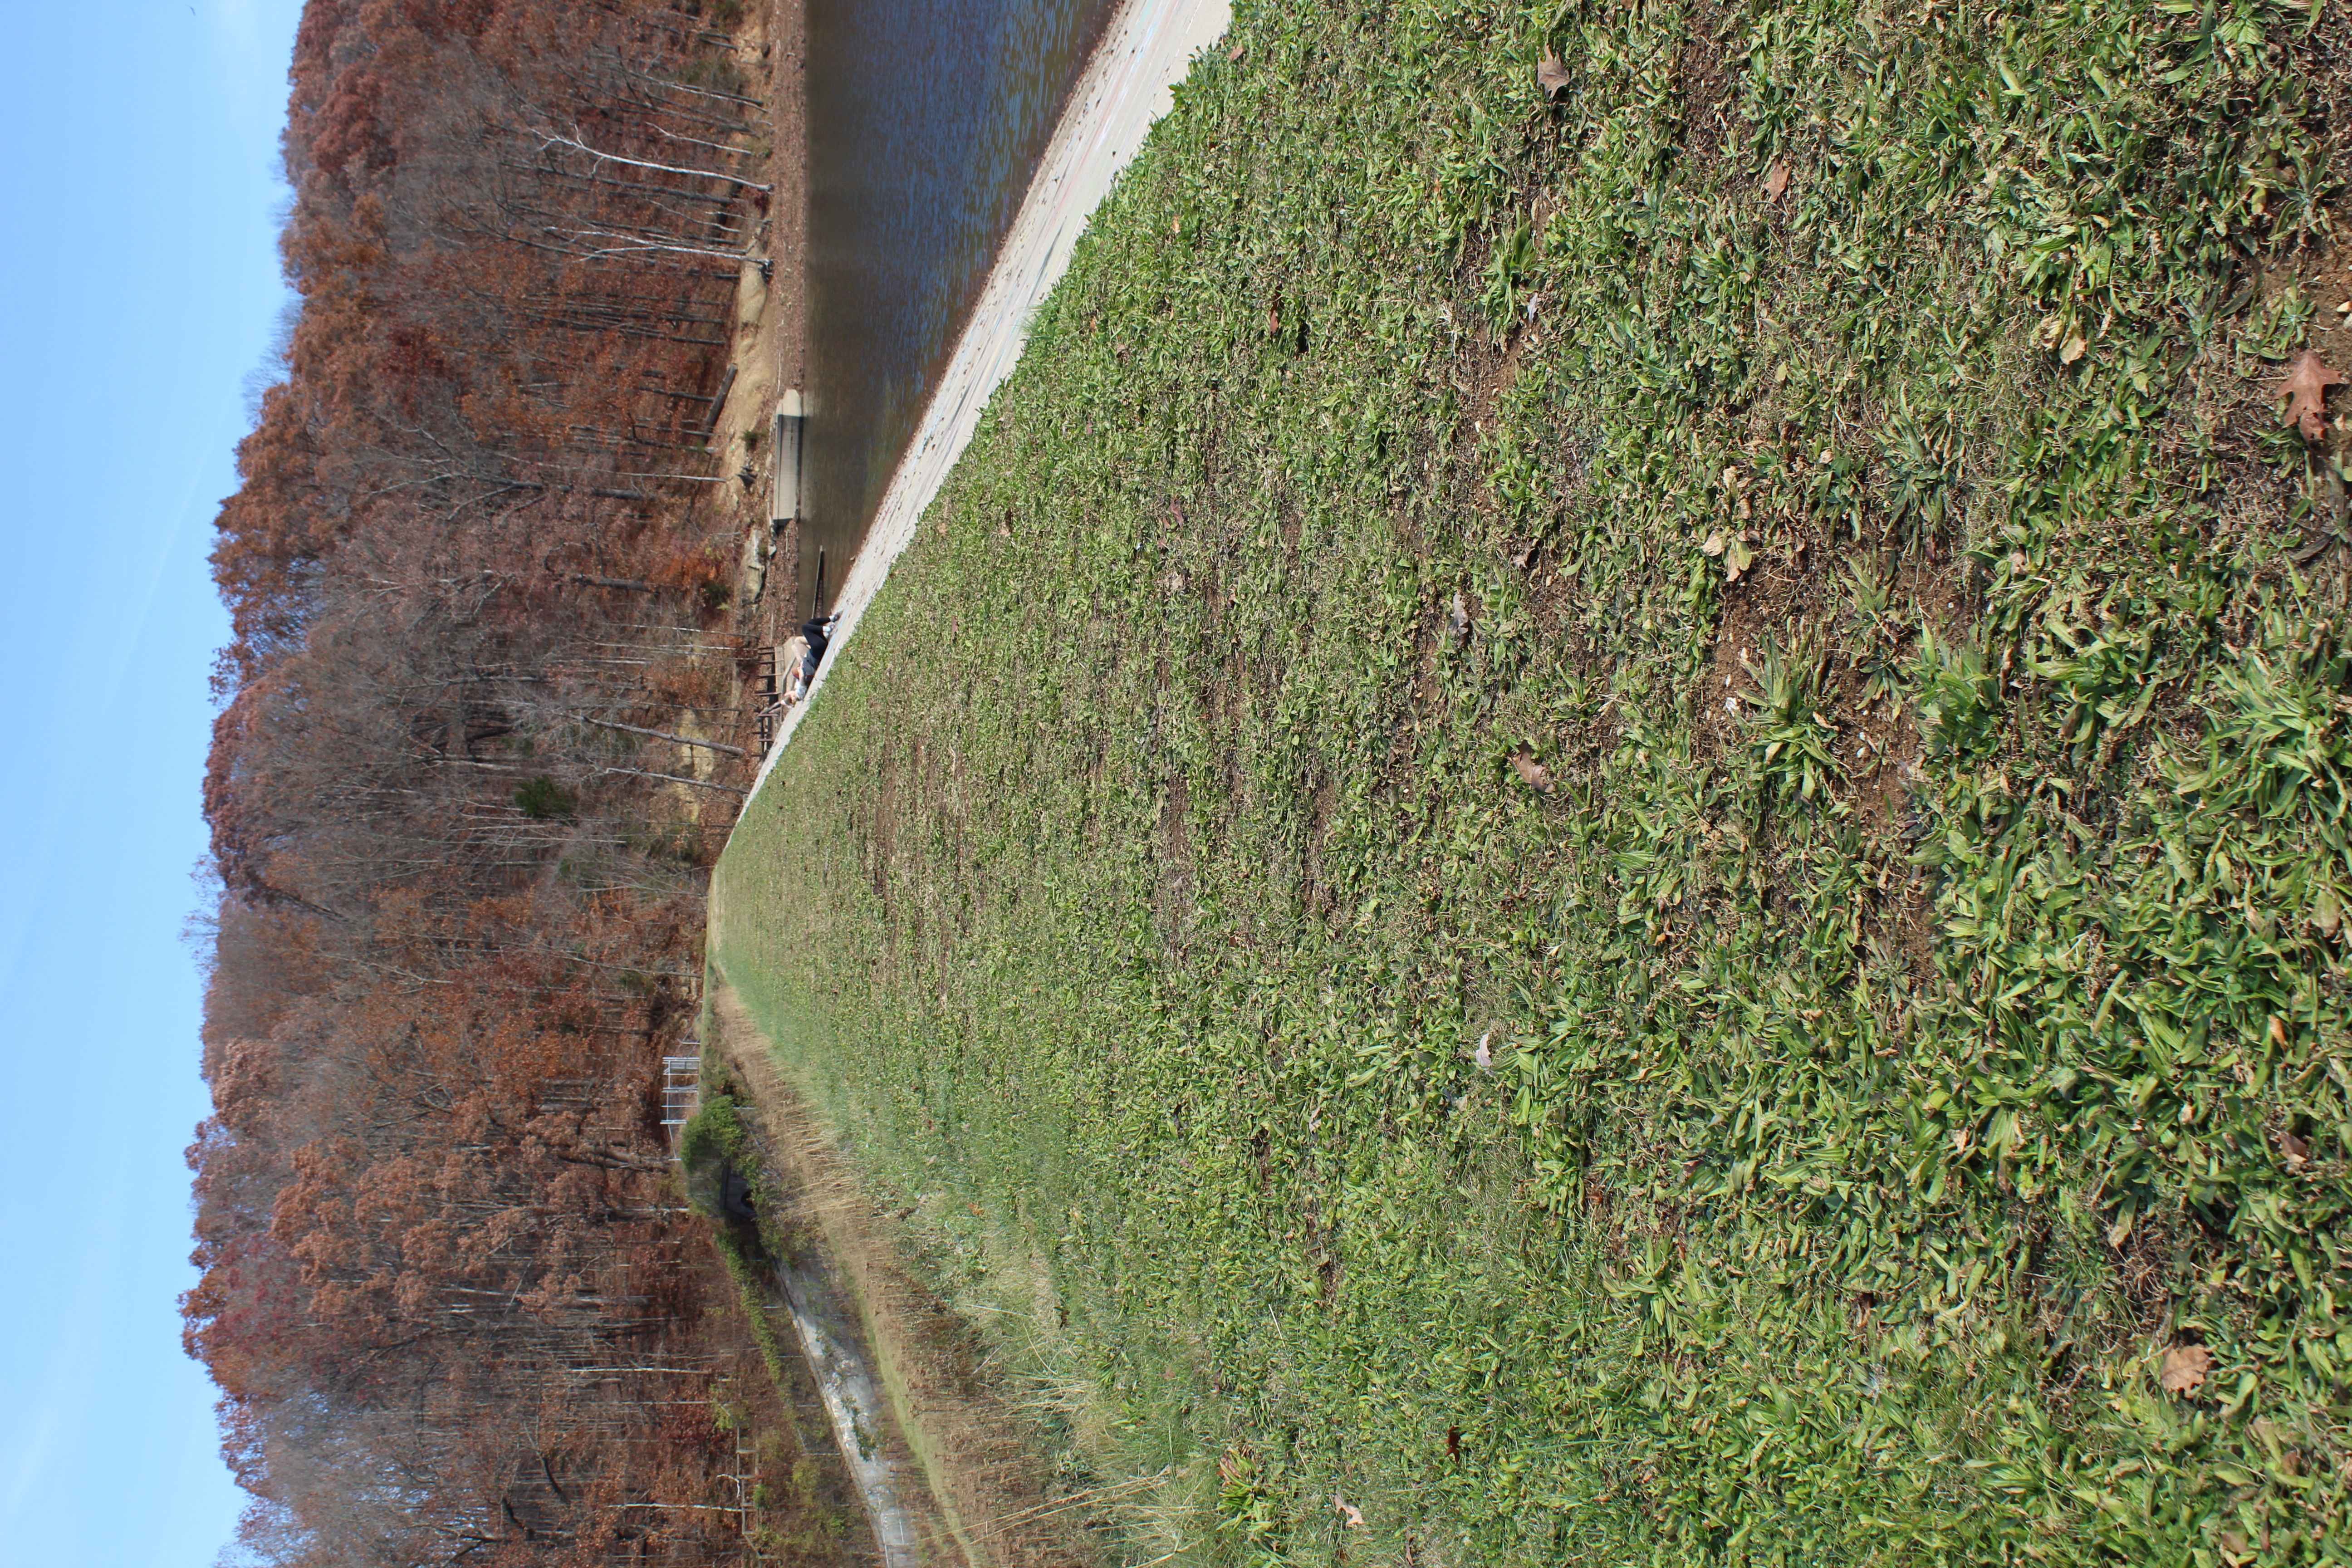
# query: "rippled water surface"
[[925, 123]]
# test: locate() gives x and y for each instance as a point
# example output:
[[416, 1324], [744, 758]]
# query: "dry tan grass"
[[985, 1501]]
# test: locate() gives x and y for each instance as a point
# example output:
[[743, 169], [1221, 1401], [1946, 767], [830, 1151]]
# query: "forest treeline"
[[449, 1302]]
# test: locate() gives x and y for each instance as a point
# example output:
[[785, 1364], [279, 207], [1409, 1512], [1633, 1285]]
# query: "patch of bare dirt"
[[1173, 903], [1797, 600], [883, 829], [1703, 77], [2324, 277], [1794, 599]]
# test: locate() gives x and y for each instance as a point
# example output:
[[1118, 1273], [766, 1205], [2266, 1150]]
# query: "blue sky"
[[139, 163]]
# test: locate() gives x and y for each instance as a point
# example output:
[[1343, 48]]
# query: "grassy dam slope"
[[1611, 826]]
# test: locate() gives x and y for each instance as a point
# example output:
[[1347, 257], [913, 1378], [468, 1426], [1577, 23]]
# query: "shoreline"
[[1146, 48]]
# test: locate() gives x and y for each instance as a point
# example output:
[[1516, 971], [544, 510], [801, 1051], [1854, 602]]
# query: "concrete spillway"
[[837, 1357]]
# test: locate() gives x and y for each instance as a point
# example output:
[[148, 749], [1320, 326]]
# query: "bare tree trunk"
[[672, 778], [719, 401], [665, 735], [552, 139]]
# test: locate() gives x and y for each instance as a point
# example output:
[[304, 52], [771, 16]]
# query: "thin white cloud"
[[254, 80], [104, 645], [28, 1454]]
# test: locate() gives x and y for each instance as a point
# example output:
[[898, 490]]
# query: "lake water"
[[925, 122]]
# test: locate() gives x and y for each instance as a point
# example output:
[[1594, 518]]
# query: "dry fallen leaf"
[[1485, 1058], [1353, 1515], [1736, 558], [1551, 75], [1776, 180], [1237, 51], [2278, 1030], [2185, 1367], [2327, 914], [1538, 777], [2071, 350], [2297, 1150], [2305, 386], [1457, 619]]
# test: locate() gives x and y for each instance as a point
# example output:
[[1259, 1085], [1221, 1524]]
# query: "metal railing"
[[681, 1088]]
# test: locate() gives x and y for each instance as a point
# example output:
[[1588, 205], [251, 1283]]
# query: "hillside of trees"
[[454, 1312]]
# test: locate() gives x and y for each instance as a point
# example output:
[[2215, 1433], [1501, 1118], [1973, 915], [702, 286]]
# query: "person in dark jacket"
[[815, 636]]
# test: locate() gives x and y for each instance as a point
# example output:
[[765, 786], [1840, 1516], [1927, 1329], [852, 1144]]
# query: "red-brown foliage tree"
[[439, 1269]]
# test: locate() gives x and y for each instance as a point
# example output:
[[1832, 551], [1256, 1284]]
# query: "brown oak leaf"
[[2185, 1367], [1776, 180], [1737, 556], [1538, 777], [1551, 75], [2305, 386]]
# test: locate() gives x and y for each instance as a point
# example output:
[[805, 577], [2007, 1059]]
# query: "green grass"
[[1918, 1001], [714, 1140]]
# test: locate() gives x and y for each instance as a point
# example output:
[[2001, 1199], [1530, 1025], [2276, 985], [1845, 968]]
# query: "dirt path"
[[1146, 49], [966, 1462]]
